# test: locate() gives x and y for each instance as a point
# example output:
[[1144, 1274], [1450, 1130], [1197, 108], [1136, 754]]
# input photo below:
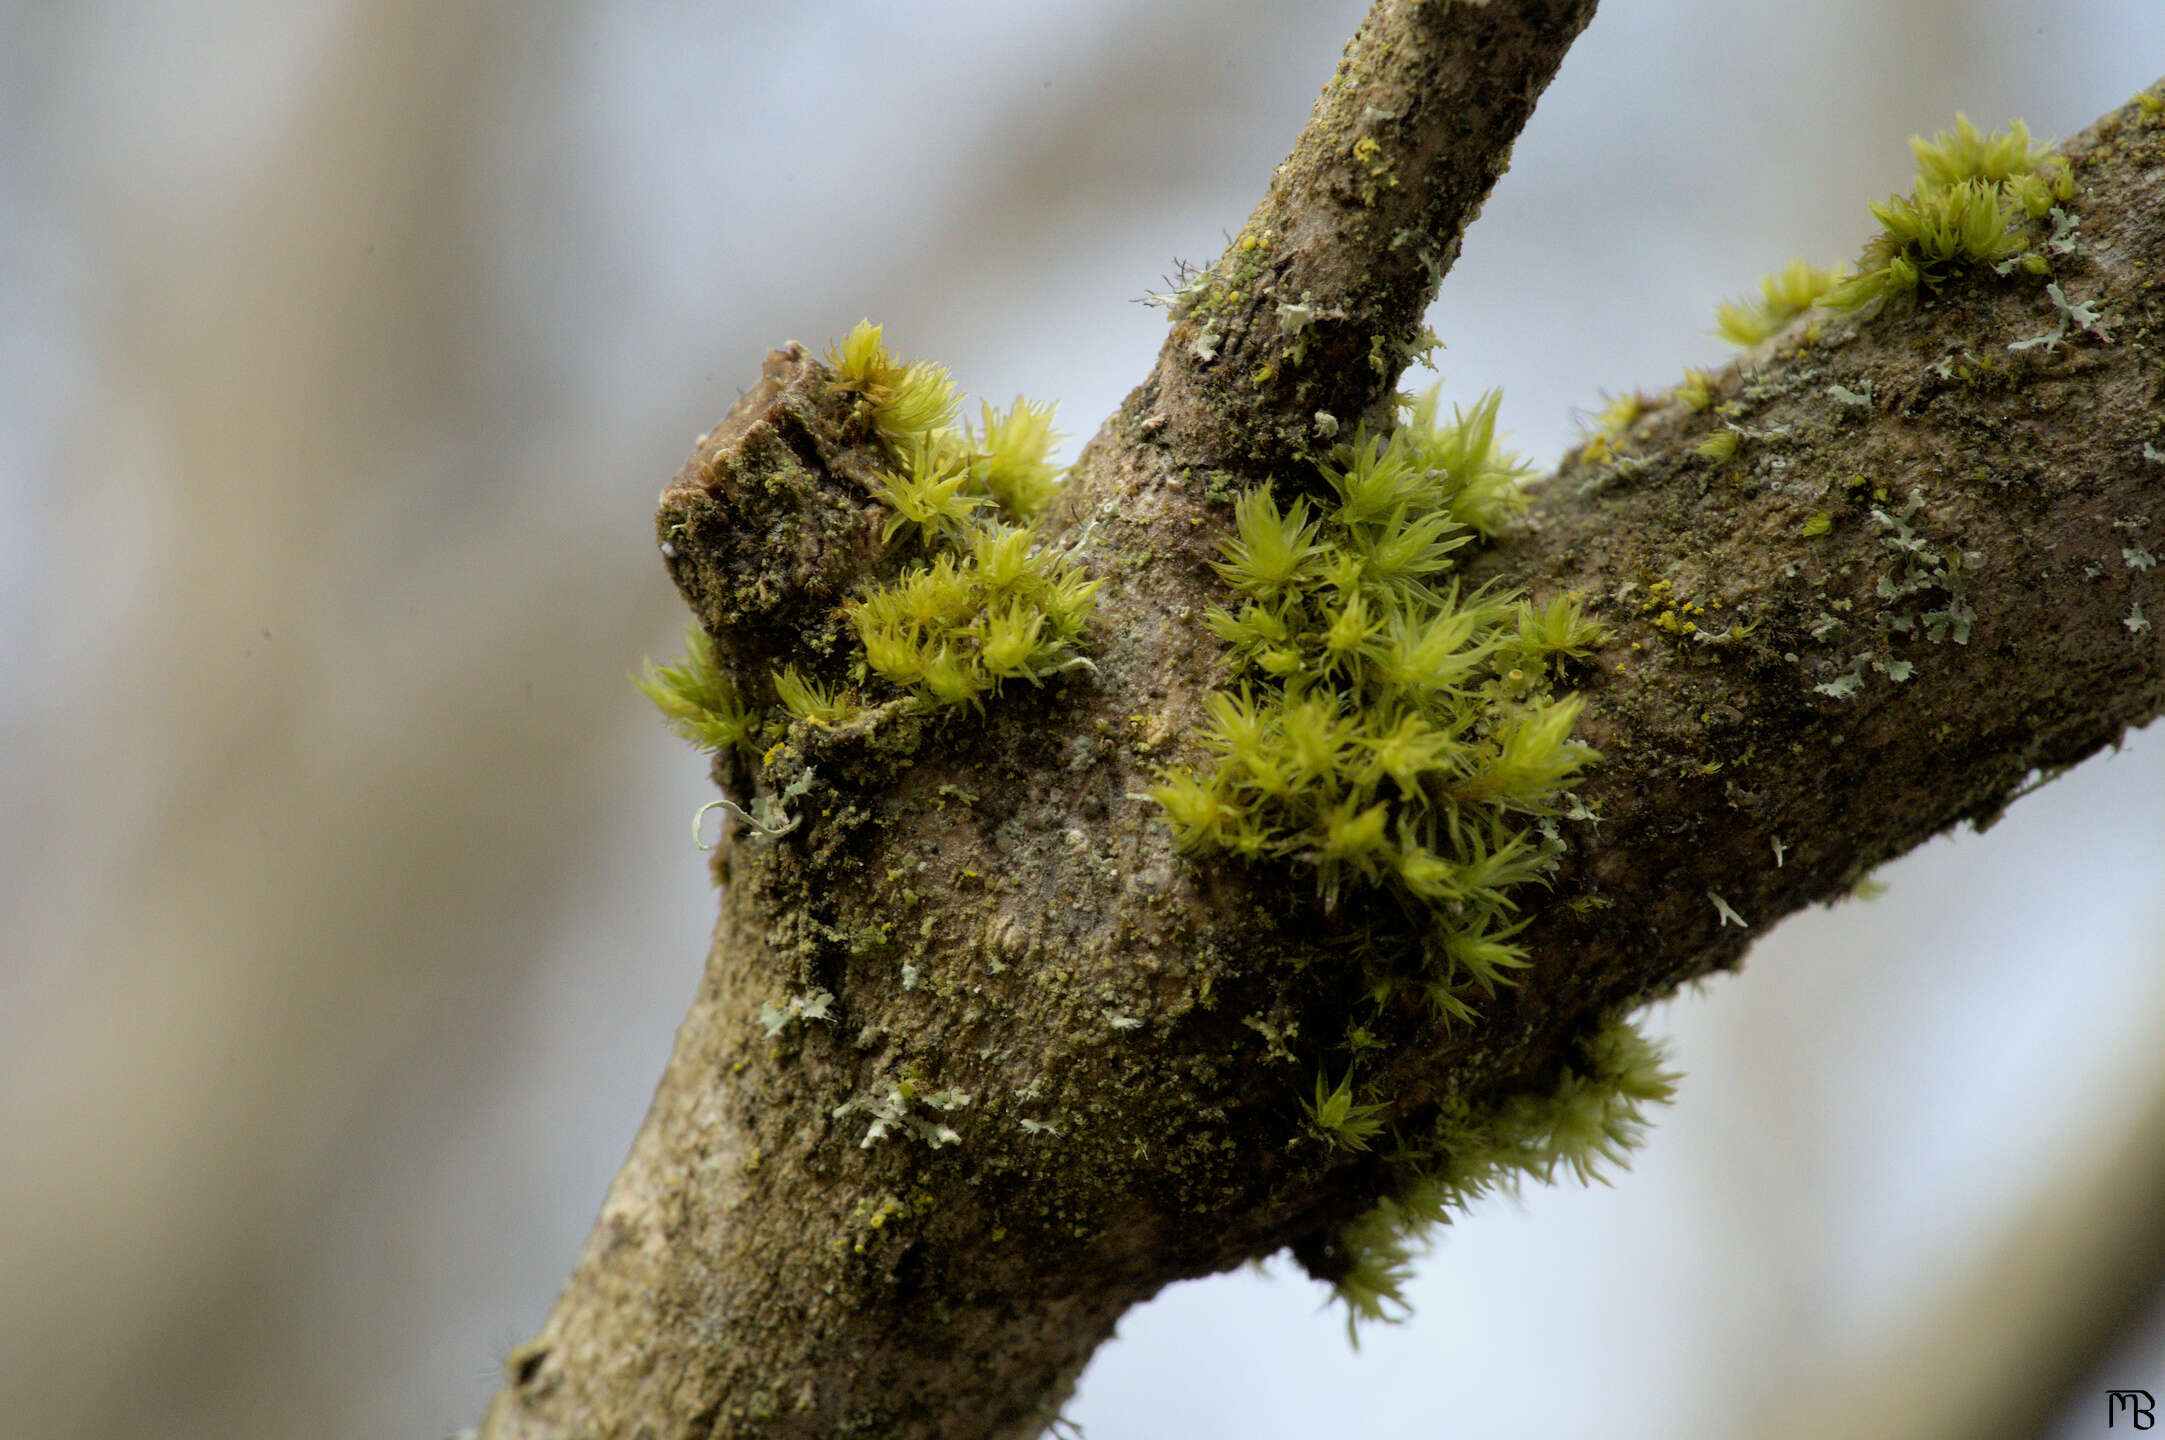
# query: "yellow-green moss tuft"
[[1785, 295], [697, 699]]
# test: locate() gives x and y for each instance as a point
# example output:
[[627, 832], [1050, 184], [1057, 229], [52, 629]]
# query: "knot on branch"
[[771, 522]]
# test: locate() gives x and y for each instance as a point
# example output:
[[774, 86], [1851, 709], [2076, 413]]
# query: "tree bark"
[[1018, 959]]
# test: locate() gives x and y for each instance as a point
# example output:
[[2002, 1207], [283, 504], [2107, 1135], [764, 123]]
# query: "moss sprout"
[[909, 401], [1338, 1118], [1697, 391], [978, 599], [927, 490], [1011, 459], [809, 700], [698, 700], [1719, 447], [1785, 295], [1953, 157], [1590, 1120]]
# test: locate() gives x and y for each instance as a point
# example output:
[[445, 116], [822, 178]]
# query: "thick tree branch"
[[794, 1247]]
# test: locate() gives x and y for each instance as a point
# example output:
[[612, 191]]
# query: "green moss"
[[1011, 459], [1975, 200], [811, 701], [1399, 742], [1591, 1118], [909, 401], [1719, 447], [1784, 296], [698, 700], [988, 602], [978, 599], [1386, 725], [1697, 391]]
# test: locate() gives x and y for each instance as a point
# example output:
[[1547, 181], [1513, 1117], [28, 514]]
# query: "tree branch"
[[1045, 1081], [1304, 324]]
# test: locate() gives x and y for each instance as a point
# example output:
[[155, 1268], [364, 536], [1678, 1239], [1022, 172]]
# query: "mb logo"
[[2135, 1404]]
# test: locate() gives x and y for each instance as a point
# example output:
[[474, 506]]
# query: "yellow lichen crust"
[[1398, 741]]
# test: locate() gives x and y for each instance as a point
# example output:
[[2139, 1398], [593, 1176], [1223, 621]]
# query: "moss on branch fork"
[[980, 1058]]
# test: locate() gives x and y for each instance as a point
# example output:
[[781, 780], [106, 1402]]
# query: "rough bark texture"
[[1302, 327], [998, 916]]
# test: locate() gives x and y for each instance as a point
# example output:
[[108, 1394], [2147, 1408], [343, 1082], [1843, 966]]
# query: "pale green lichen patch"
[[896, 1108], [817, 1005], [1923, 566]]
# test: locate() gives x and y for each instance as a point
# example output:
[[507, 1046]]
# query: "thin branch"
[[1303, 325]]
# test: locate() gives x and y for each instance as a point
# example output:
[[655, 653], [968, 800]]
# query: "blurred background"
[[349, 891]]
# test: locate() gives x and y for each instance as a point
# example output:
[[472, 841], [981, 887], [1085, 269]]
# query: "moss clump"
[[1593, 1117], [698, 700], [1697, 391], [1785, 295], [1388, 734], [984, 600], [999, 606], [1399, 742], [1011, 459], [910, 402], [1975, 200], [975, 597]]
